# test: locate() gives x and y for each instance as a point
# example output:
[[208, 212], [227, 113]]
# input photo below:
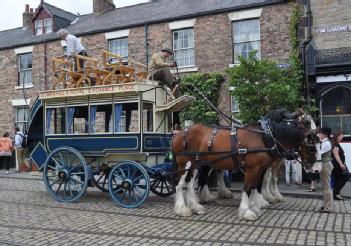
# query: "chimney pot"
[[102, 6], [27, 17], [31, 10]]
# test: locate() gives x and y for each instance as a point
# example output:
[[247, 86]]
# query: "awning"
[[176, 104]]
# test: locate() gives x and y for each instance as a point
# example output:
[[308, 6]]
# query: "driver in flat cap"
[[159, 69]]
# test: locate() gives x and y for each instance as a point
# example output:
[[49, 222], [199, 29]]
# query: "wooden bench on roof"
[[114, 71], [126, 70], [64, 75]]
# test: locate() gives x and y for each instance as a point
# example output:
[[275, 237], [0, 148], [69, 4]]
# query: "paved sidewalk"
[[299, 190], [292, 190]]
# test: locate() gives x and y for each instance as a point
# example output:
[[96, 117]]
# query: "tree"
[[199, 111], [260, 86]]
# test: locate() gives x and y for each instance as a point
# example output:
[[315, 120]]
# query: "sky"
[[11, 10]]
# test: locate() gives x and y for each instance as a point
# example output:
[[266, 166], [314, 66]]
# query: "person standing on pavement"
[[19, 150], [340, 171], [290, 164], [327, 167], [6, 148]]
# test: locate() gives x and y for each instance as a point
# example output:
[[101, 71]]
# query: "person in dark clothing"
[[340, 171]]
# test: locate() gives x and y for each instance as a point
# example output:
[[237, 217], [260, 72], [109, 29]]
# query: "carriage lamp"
[[338, 109]]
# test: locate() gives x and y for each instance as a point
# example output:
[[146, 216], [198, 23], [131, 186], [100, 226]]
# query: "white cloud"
[[11, 11]]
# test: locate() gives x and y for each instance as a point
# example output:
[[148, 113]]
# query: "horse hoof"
[[225, 195], [279, 198], [201, 211], [264, 203], [269, 198], [256, 210], [183, 211], [205, 198], [198, 209], [249, 215]]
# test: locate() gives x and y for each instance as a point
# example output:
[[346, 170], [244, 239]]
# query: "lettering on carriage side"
[[94, 90], [148, 142], [88, 91], [75, 92], [52, 94], [126, 88]]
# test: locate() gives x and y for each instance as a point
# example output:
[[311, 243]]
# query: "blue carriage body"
[[149, 136], [116, 135]]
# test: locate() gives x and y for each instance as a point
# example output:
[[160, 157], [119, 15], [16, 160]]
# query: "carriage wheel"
[[129, 184], [162, 184], [101, 180], [65, 174]]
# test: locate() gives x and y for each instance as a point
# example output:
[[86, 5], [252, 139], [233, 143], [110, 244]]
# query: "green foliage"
[[261, 86], [295, 62], [208, 84]]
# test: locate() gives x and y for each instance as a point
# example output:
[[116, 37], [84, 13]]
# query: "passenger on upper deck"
[[159, 69], [74, 46]]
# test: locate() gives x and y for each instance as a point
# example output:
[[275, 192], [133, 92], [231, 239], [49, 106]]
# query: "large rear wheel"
[[65, 174]]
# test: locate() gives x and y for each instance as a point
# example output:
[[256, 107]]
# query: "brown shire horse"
[[188, 147]]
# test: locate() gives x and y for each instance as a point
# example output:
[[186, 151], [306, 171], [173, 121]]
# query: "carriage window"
[[101, 118], [148, 123], [55, 121], [77, 120], [126, 117]]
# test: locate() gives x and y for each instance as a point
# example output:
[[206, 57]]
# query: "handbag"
[[345, 172]]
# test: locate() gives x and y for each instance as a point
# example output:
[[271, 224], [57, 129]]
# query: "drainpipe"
[[45, 66], [146, 45], [305, 43]]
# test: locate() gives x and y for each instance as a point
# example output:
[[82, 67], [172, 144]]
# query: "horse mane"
[[276, 115], [287, 134]]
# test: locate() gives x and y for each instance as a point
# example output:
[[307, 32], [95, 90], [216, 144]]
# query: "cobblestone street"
[[29, 216]]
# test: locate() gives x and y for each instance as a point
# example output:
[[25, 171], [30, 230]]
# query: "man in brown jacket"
[[159, 69]]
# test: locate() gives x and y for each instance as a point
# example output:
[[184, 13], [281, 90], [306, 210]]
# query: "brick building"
[[206, 35]]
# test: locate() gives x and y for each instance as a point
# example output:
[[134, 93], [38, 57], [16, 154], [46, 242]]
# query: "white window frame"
[[47, 25], [121, 47], [29, 70], [258, 55], [38, 28], [191, 47], [233, 100], [25, 118]]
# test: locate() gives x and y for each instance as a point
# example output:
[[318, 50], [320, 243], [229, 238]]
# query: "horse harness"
[[237, 152]]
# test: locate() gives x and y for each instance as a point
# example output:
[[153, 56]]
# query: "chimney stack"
[[102, 6], [27, 16]]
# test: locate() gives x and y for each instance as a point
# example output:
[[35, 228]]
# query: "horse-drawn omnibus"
[[114, 136]]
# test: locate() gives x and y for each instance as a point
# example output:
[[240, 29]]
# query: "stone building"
[[329, 61], [206, 35], [327, 53]]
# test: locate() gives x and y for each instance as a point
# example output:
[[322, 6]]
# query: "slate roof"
[[59, 12], [146, 13]]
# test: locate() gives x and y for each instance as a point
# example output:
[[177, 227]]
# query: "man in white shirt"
[[74, 46]]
